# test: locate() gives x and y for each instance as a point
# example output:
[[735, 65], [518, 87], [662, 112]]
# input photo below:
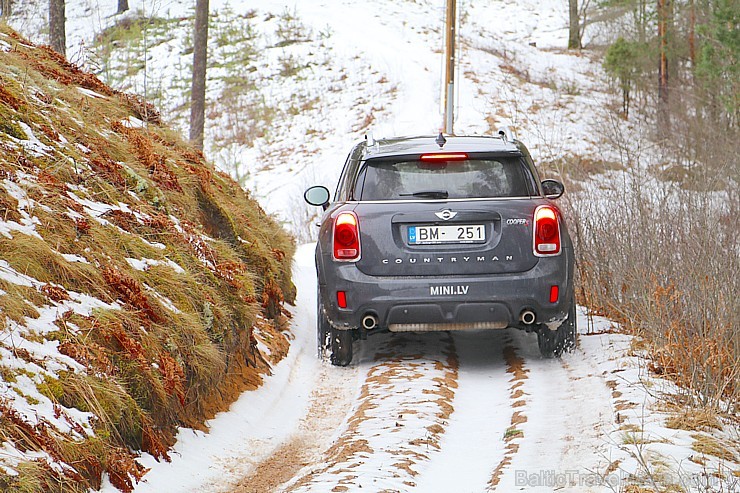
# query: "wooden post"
[[449, 88]]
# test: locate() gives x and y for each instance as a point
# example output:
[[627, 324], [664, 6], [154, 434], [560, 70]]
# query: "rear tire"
[[569, 330], [552, 343], [323, 328], [548, 341], [341, 347]]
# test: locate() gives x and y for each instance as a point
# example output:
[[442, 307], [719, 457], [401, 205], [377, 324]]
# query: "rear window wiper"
[[428, 194]]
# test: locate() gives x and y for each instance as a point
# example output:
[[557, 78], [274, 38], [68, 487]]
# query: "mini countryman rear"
[[430, 234]]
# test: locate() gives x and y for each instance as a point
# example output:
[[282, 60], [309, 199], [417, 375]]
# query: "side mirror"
[[318, 196], [552, 189]]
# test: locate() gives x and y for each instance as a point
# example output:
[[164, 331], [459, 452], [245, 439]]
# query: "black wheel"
[[569, 330], [553, 342], [548, 341], [323, 329], [341, 347]]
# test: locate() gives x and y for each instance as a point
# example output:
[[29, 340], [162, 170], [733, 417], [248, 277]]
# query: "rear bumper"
[[450, 302]]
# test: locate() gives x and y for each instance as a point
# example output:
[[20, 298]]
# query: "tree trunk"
[[663, 19], [626, 102], [198, 92], [692, 34], [574, 30], [122, 6], [6, 8], [57, 20]]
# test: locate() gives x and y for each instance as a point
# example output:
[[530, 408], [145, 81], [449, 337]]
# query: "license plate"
[[466, 233]]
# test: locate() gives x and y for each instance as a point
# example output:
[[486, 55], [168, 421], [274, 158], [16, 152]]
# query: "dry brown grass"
[[692, 419], [34, 257], [149, 368], [708, 445]]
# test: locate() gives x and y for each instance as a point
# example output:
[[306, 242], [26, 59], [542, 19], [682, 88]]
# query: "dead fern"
[[124, 220], [123, 470], [173, 376], [82, 226], [131, 293], [152, 440], [55, 293]]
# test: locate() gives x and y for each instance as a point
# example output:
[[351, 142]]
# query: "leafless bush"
[[664, 261]]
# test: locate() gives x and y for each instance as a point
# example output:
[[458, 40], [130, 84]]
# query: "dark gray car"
[[430, 234]]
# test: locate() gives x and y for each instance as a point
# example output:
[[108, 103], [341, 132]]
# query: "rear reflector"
[[444, 156], [554, 294], [546, 231], [346, 237], [342, 299]]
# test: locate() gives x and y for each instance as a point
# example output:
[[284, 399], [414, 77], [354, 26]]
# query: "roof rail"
[[506, 134], [369, 138]]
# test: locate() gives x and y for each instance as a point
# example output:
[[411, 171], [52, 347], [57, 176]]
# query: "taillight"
[[346, 237], [546, 231], [444, 156]]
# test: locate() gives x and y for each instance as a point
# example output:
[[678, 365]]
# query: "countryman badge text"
[[439, 260]]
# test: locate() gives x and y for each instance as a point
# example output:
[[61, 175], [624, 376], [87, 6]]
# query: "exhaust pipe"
[[369, 321], [527, 317]]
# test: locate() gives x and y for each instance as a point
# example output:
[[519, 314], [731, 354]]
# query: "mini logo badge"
[[446, 214]]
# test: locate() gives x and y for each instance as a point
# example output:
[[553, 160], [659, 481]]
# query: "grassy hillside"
[[140, 289]]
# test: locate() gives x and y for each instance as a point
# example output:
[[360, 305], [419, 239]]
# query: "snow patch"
[[91, 93]]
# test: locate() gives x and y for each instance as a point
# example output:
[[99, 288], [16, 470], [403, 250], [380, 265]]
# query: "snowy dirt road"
[[463, 412]]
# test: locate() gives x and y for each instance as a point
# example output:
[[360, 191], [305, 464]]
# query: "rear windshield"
[[473, 178]]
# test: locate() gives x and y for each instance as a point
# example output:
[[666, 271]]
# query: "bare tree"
[[200, 58], [57, 20], [122, 6], [6, 8]]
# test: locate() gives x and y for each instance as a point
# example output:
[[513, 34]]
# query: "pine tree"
[[718, 51], [622, 62]]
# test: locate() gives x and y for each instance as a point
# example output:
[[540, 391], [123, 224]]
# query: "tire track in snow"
[[569, 414], [513, 435], [400, 416], [329, 405], [473, 444]]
